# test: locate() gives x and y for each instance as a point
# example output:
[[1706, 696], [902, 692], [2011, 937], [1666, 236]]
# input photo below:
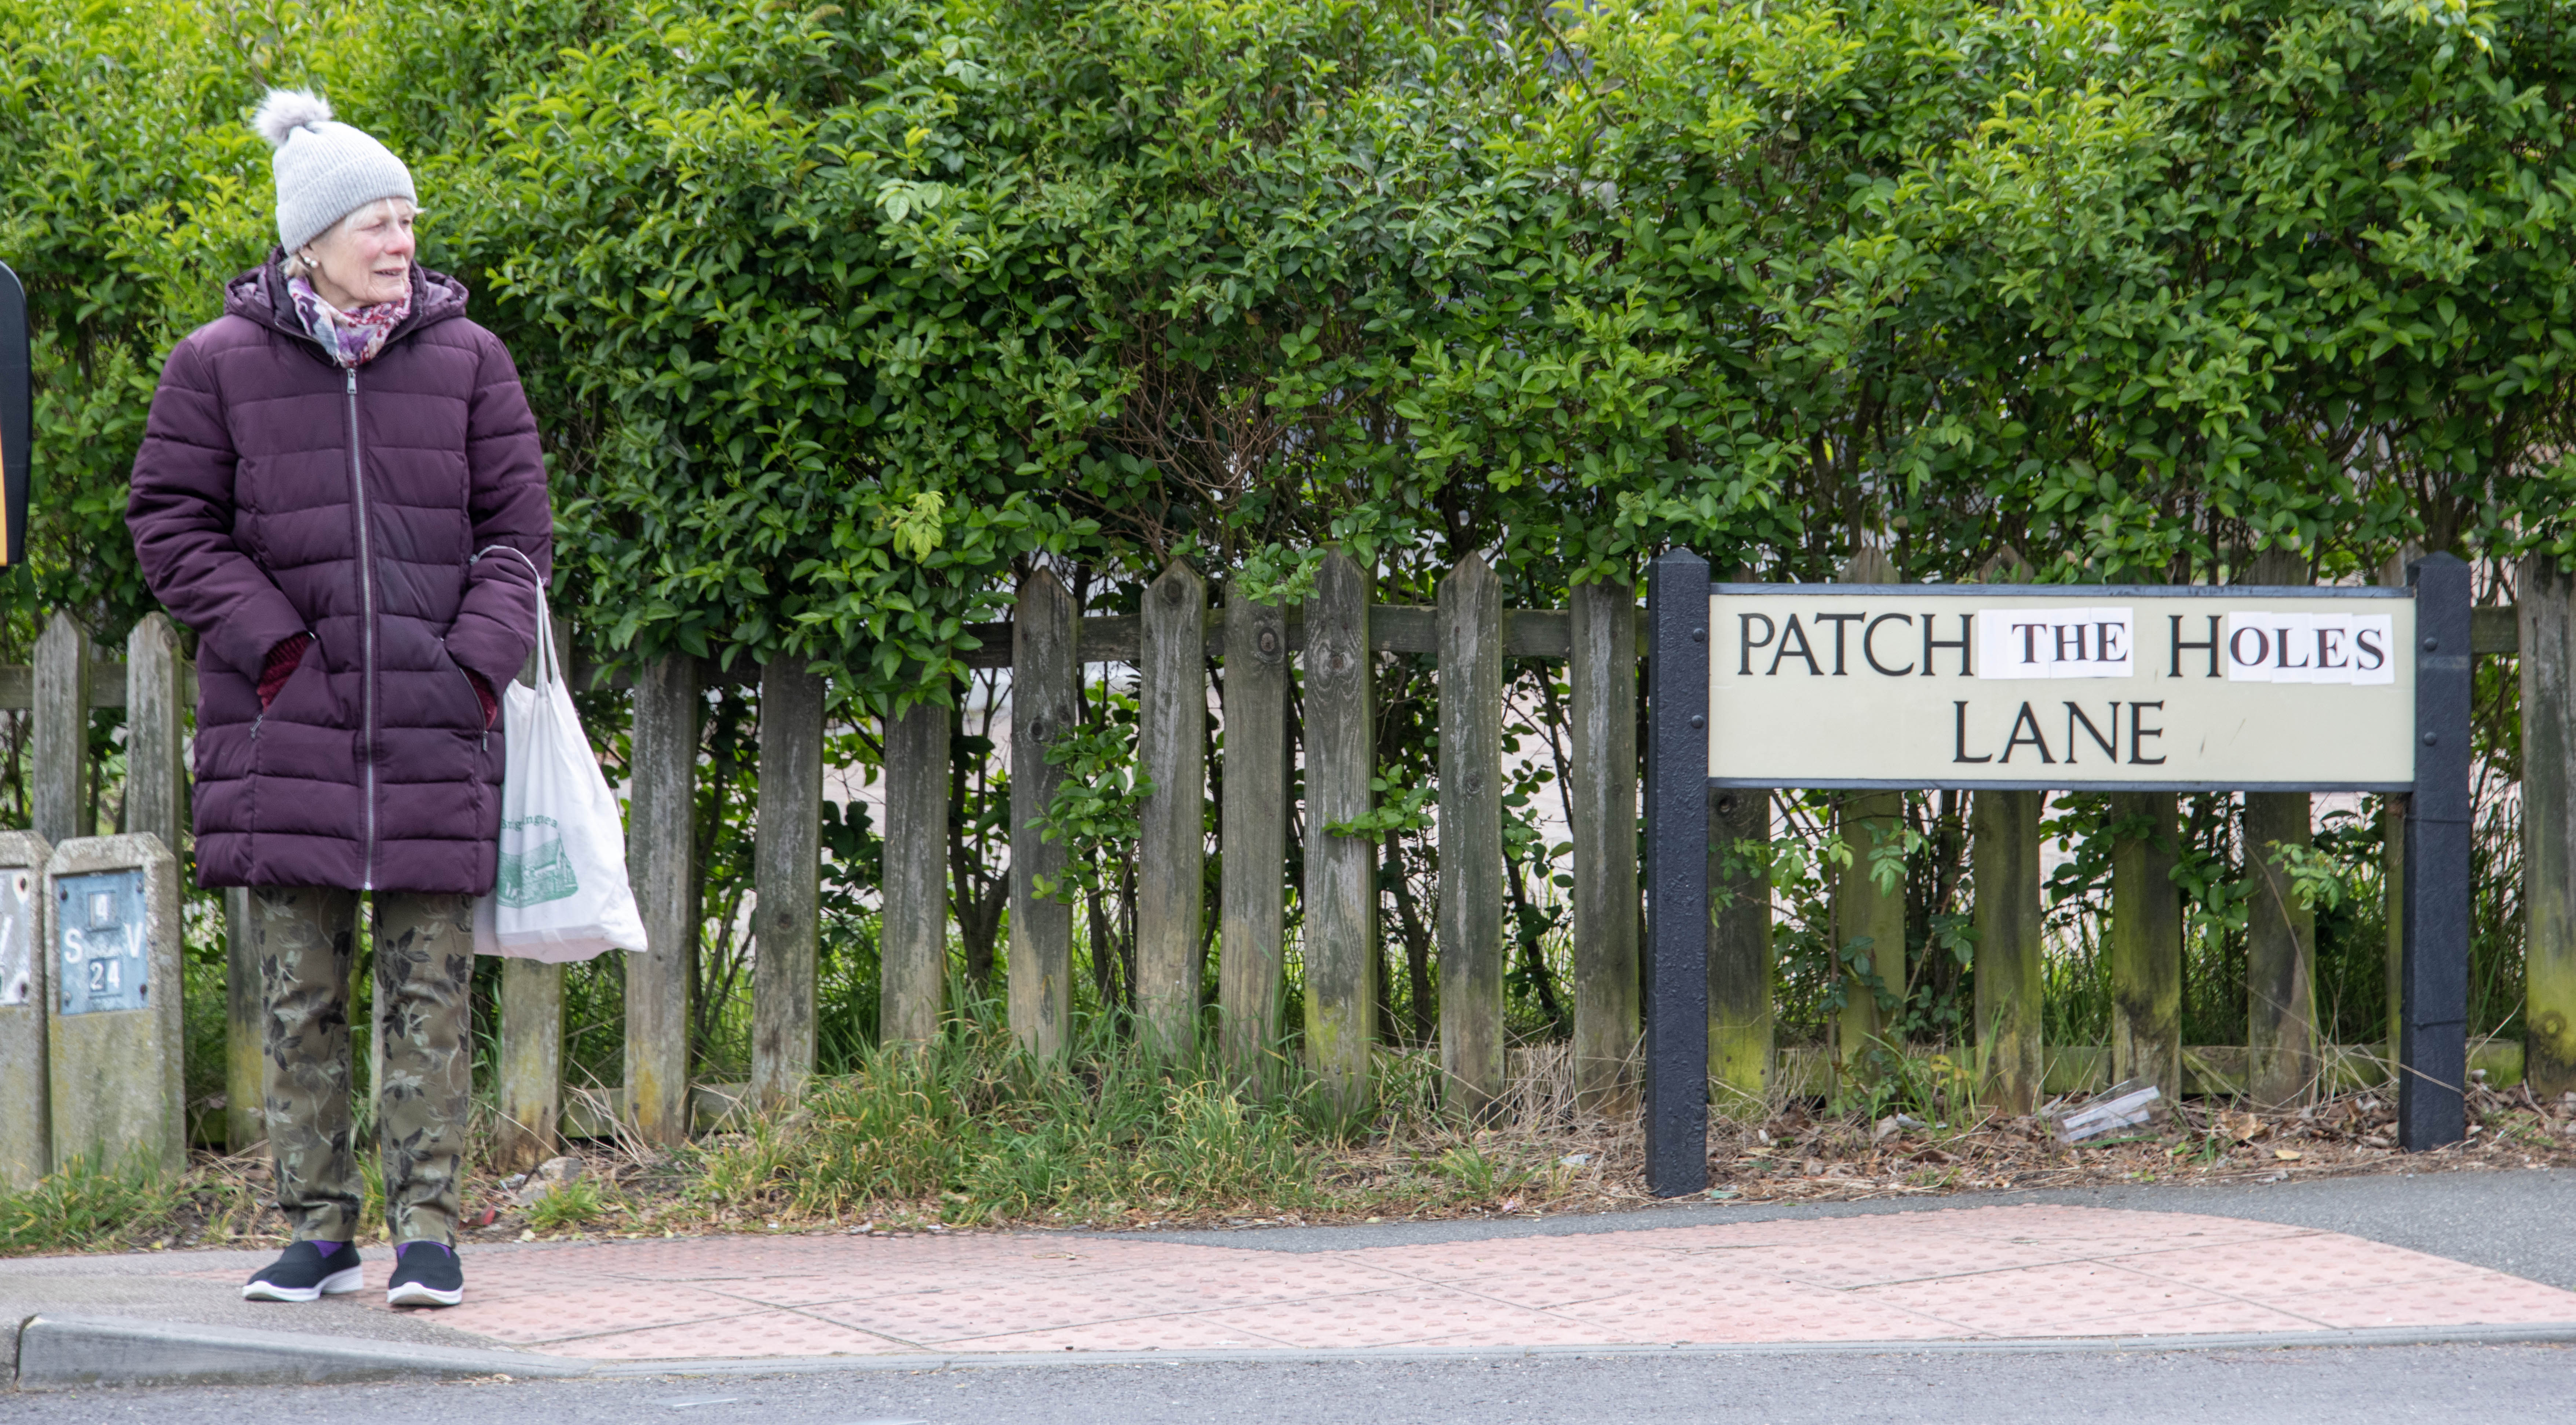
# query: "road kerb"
[[2510, 1335], [68, 1352]]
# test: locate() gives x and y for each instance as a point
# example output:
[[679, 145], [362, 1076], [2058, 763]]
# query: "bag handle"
[[549, 662]]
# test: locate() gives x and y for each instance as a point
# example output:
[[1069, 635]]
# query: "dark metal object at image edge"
[[2433, 1052], [1677, 610], [17, 413]]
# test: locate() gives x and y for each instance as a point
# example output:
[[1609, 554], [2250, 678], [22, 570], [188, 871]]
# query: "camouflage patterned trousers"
[[304, 940]]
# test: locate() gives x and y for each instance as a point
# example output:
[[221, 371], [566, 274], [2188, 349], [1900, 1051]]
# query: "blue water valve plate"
[[100, 935]]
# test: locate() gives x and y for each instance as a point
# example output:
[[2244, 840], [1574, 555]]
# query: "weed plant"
[[81, 1208], [969, 1128], [79, 1205], [571, 1206]]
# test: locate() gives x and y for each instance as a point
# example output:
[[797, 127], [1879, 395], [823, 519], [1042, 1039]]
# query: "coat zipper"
[[478, 700], [366, 631]]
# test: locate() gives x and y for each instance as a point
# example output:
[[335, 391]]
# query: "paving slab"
[[2027, 1272], [199, 1289], [1978, 1276], [2513, 1221]]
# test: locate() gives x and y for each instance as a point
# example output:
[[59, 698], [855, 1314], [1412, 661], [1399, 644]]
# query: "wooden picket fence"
[[1332, 637]]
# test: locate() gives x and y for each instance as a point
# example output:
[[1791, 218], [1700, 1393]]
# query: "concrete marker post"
[[26, 987], [113, 1030]]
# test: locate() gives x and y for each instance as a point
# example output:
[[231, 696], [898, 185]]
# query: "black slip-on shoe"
[[305, 1273], [425, 1274]]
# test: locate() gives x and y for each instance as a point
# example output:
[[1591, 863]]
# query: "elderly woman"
[[331, 487]]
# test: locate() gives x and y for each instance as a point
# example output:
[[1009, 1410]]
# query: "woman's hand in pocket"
[[282, 662]]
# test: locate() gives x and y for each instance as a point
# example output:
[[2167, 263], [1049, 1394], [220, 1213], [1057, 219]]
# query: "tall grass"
[[969, 1129], [79, 1206]]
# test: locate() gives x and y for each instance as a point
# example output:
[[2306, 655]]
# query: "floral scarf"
[[352, 338]]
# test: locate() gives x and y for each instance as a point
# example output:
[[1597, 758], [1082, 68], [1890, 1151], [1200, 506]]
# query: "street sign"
[[2094, 689], [17, 418], [2028, 687]]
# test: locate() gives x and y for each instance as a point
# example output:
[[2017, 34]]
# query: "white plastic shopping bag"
[[562, 892]]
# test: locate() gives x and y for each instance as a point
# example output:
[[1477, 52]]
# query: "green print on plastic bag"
[[538, 871]]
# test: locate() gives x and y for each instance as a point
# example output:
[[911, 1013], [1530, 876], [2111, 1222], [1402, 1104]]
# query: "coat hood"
[[259, 295]]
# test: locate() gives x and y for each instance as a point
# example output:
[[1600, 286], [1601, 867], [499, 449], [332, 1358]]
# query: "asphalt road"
[[2417, 1384]]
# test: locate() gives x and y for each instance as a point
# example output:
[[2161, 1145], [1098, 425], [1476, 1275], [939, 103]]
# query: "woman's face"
[[365, 258]]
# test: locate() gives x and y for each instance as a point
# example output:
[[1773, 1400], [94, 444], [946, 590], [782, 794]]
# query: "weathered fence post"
[[2280, 956], [1865, 910], [1341, 871], [156, 789], [1253, 925], [1046, 682], [787, 876], [528, 1097], [245, 1031], [156, 792], [2392, 853], [1471, 833], [2003, 852], [2010, 957], [661, 862], [528, 1075], [2546, 598], [2392, 871], [1171, 838], [2146, 943], [58, 781], [2280, 934], [913, 944], [1739, 955], [1601, 667]]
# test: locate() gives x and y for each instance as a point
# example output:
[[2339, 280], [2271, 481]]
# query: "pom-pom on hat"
[[325, 169]]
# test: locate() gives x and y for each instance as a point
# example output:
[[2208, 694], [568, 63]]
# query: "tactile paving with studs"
[[1957, 1274]]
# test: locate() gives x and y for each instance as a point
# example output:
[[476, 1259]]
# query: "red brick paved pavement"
[[1966, 1274]]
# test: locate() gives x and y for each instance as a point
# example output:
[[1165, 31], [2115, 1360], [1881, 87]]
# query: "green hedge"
[[837, 316]]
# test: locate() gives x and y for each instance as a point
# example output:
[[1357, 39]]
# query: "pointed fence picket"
[[1333, 639]]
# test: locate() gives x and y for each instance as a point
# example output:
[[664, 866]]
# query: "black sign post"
[[1677, 875], [17, 415], [2433, 1050]]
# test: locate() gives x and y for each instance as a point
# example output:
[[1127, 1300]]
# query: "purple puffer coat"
[[277, 493]]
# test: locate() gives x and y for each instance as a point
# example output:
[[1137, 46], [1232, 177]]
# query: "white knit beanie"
[[325, 170]]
